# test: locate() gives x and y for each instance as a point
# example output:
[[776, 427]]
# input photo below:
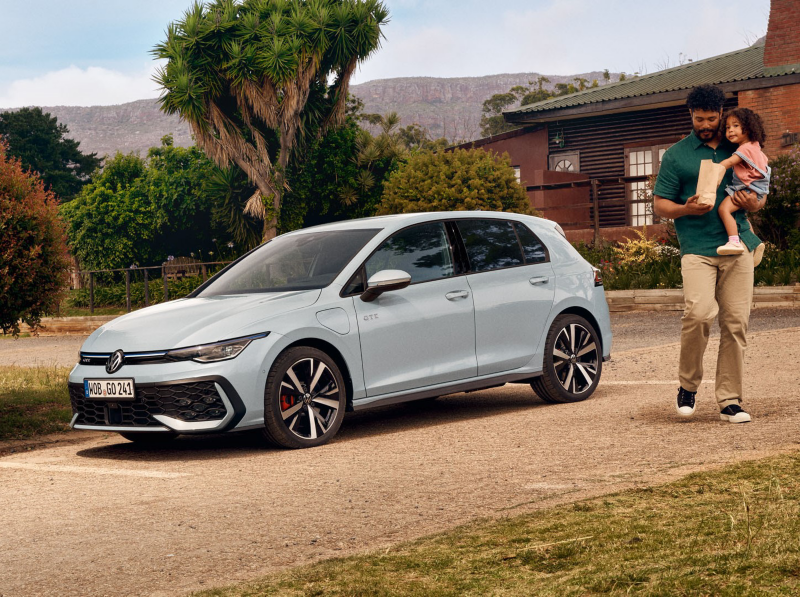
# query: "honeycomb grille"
[[196, 401]]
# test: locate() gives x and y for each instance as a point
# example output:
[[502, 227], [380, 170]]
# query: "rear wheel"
[[304, 399], [573, 361]]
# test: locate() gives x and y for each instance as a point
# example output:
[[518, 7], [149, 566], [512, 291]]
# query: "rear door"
[[513, 287]]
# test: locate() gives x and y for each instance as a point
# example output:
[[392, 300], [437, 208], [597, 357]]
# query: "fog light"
[[209, 399]]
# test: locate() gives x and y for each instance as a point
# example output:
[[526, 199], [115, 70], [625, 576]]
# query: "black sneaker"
[[685, 403], [734, 414]]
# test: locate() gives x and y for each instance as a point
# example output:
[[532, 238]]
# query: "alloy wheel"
[[575, 358], [309, 398]]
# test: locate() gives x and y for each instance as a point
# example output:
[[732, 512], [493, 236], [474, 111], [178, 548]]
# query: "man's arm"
[[748, 200], [664, 208]]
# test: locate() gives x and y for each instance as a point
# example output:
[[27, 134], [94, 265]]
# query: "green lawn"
[[33, 401], [731, 532]]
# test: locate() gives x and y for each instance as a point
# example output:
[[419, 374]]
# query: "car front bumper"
[[180, 397]]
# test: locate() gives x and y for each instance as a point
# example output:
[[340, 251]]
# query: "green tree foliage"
[[41, 145], [254, 77], [342, 175], [139, 211], [454, 181], [778, 221], [34, 267]]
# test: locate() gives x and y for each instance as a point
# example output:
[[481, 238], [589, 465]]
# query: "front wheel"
[[573, 361], [304, 399]]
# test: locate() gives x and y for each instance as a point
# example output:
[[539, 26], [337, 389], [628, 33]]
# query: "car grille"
[[195, 401]]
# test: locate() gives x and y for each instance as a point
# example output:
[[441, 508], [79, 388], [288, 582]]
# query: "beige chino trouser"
[[716, 285]]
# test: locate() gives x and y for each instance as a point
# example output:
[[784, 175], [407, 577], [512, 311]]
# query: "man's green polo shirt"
[[677, 181]]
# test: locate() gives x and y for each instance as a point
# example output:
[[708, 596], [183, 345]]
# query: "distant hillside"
[[447, 107]]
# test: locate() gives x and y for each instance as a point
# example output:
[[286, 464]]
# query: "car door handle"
[[456, 294], [539, 280]]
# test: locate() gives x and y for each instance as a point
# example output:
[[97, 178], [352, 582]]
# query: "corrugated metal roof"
[[726, 68]]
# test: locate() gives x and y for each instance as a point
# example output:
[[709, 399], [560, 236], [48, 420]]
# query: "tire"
[[149, 438], [304, 399], [573, 361]]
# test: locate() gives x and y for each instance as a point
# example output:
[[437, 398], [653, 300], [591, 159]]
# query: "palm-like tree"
[[254, 77]]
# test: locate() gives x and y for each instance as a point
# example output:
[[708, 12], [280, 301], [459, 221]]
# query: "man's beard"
[[707, 134]]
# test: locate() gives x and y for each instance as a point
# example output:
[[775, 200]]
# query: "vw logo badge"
[[115, 361]]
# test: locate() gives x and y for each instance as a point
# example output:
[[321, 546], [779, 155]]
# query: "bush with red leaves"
[[34, 265]]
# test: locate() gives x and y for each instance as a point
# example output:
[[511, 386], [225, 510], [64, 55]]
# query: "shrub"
[[34, 267], [454, 181]]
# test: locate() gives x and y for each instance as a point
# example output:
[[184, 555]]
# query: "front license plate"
[[109, 389]]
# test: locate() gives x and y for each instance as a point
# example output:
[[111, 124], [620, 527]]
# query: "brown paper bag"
[[708, 181]]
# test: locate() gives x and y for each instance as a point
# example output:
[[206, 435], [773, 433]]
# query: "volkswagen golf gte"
[[349, 316]]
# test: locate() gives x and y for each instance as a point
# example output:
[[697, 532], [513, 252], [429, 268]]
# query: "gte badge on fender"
[[115, 361]]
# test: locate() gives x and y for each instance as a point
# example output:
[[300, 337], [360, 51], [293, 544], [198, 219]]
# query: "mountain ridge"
[[446, 106]]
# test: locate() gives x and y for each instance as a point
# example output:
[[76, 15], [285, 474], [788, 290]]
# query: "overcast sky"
[[96, 52]]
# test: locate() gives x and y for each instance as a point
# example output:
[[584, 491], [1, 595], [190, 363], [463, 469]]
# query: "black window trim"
[[458, 252]]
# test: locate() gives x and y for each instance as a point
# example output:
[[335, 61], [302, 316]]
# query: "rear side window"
[[490, 244], [421, 251], [532, 247]]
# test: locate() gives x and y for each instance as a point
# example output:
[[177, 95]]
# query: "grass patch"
[[731, 532], [33, 401], [68, 311]]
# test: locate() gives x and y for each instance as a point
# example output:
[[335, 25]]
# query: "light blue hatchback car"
[[348, 316]]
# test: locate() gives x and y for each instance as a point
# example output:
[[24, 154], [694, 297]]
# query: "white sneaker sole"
[[737, 418], [685, 413], [725, 250]]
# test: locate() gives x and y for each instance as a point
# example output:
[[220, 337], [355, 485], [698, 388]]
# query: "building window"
[[565, 161], [642, 161], [517, 174]]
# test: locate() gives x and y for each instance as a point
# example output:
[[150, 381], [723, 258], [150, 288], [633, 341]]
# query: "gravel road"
[[104, 517]]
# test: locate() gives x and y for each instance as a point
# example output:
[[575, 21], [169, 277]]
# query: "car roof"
[[397, 221]]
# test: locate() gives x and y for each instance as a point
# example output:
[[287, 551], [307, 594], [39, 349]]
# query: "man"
[[712, 284]]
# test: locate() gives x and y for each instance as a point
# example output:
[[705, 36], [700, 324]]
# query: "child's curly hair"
[[752, 125]]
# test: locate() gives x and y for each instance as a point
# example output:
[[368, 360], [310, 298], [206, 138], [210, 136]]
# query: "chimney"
[[782, 47]]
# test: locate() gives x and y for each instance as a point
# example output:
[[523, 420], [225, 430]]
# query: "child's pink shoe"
[[730, 248]]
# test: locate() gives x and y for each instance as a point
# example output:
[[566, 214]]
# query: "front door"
[[423, 334]]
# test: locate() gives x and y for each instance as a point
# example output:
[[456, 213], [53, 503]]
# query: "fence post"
[[91, 293], [146, 289], [164, 276], [205, 271], [596, 206], [128, 289]]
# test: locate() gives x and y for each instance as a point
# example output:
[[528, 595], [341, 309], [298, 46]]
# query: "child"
[[750, 171]]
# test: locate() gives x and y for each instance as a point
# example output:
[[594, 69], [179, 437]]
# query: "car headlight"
[[211, 353]]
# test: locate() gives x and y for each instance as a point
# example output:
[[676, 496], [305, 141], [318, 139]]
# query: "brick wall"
[[780, 109], [782, 46]]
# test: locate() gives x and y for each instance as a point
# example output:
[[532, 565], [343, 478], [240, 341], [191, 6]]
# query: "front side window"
[[490, 244], [306, 261], [421, 251]]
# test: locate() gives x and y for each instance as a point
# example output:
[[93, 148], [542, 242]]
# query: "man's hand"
[[693, 208], [747, 200]]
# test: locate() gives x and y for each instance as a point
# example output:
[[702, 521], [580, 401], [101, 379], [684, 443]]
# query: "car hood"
[[192, 321]]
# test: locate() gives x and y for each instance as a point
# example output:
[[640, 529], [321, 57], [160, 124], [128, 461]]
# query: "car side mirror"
[[385, 281]]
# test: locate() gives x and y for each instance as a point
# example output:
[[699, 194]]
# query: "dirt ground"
[[103, 517]]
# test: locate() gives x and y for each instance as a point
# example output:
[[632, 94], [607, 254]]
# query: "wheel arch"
[[335, 354], [588, 316]]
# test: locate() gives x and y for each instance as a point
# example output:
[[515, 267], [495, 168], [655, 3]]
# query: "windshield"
[[298, 262]]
